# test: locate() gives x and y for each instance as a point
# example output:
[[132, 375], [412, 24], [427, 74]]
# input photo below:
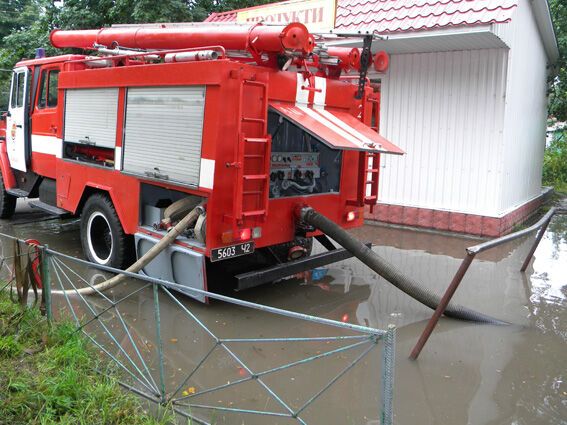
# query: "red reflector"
[[241, 235], [344, 319], [244, 234], [351, 215]]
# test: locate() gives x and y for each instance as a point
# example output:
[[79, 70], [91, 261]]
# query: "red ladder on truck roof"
[[253, 160]]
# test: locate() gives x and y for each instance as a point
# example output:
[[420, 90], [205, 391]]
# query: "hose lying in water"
[[163, 243], [389, 271]]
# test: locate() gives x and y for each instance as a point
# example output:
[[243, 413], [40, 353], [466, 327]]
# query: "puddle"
[[466, 374]]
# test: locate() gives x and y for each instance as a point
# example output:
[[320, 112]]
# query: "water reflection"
[[467, 374]]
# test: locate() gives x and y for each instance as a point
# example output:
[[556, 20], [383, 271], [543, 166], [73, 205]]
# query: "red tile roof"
[[222, 17], [394, 16], [390, 16]]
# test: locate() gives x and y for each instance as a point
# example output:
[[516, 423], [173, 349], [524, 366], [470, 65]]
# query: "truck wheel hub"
[[99, 237]]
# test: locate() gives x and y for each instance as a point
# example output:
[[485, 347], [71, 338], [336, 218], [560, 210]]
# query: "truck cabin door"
[[16, 120]]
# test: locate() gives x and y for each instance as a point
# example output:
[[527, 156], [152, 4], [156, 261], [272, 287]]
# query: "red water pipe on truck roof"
[[256, 39]]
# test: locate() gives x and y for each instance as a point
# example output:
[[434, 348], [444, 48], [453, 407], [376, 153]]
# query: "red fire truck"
[[249, 122]]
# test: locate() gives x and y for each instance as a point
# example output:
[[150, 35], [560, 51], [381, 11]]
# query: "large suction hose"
[[389, 271], [164, 242]]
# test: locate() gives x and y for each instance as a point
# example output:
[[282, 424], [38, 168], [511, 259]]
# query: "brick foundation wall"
[[454, 221]]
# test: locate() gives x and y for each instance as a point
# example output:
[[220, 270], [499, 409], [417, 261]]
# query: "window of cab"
[[48, 89], [18, 85]]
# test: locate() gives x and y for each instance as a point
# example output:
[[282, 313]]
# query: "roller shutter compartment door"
[[90, 116], [163, 133]]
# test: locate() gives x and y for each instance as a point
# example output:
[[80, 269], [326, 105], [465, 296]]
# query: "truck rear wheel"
[[102, 236], [7, 201]]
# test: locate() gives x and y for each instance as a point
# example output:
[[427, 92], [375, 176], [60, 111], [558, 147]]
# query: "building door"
[[16, 120]]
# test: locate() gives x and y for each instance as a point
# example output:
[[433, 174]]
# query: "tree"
[[144, 11], [558, 95], [25, 25], [15, 15], [20, 33], [83, 14]]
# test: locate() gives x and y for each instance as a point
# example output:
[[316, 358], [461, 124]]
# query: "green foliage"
[[9, 347], [83, 14], [558, 95], [25, 24], [48, 376], [15, 15], [555, 162]]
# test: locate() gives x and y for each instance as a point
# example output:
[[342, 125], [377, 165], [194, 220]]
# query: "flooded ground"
[[466, 374]]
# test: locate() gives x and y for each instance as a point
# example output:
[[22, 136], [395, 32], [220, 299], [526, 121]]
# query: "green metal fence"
[[146, 370]]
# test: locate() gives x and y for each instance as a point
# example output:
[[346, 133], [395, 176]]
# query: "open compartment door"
[[336, 129]]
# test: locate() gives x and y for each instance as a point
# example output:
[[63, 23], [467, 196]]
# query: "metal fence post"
[[449, 292], [46, 282], [388, 366], [537, 240], [159, 343]]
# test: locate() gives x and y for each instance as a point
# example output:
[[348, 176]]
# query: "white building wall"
[[446, 110], [526, 109]]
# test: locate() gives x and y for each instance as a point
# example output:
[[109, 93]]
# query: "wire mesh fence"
[[234, 361]]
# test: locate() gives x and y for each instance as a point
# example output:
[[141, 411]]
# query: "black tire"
[[102, 236], [7, 201]]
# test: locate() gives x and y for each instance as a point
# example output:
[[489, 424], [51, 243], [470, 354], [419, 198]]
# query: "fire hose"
[[388, 271], [309, 216], [163, 243]]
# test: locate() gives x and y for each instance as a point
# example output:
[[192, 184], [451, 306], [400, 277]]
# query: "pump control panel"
[[295, 165], [300, 164]]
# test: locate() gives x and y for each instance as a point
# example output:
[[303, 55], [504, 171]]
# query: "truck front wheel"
[[7, 201], [102, 236]]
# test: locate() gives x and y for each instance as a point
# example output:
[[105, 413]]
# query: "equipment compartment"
[[90, 117], [163, 132], [301, 164]]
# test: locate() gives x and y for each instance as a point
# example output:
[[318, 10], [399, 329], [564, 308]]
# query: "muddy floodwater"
[[466, 374]]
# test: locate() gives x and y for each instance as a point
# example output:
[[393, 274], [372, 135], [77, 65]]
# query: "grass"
[[555, 162], [48, 376], [559, 187]]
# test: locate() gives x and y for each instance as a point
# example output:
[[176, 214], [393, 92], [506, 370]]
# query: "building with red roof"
[[465, 96]]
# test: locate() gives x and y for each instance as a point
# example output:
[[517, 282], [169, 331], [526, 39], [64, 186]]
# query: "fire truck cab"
[[169, 117]]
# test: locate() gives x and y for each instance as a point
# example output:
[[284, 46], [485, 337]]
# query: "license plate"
[[232, 251]]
